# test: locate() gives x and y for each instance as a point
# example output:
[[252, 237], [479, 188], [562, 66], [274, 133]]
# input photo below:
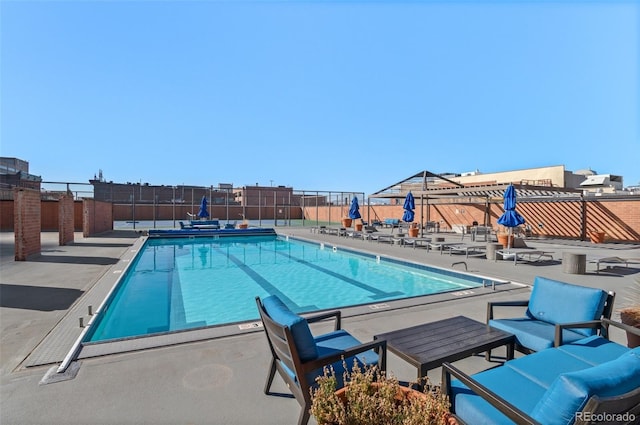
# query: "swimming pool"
[[175, 284]]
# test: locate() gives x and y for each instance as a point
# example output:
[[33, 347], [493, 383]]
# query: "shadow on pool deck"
[[70, 259], [37, 297]]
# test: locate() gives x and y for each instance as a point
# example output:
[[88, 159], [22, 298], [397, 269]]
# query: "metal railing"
[[139, 207]]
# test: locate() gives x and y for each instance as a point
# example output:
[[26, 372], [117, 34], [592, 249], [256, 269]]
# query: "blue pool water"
[[178, 283]]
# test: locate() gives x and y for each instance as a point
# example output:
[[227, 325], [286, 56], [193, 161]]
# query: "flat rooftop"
[[217, 377]]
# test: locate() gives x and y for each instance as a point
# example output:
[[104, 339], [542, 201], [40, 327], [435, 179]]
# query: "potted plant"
[[346, 222], [413, 230], [369, 397], [630, 315]]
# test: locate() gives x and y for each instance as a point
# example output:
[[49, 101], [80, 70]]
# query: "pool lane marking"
[[378, 294], [264, 283]]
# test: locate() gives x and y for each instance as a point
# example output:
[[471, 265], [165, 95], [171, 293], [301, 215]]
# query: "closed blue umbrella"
[[409, 206], [203, 213], [354, 211], [510, 218]]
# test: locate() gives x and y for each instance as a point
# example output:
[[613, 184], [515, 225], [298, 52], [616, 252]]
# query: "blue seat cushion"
[[545, 366], [594, 350], [558, 302], [505, 382], [336, 342], [570, 392], [341, 340], [534, 334], [302, 337]]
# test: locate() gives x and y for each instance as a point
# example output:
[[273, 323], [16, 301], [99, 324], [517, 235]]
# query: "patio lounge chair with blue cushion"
[[557, 313], [299, 357], [592, 380]]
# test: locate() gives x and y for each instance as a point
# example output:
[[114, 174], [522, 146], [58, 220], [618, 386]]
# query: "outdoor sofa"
[[591, 380]]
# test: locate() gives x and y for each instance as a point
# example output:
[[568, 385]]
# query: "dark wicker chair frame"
[[284, 351], [606, 314]]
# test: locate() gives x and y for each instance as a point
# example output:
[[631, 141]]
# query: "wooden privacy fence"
[[573, 219]]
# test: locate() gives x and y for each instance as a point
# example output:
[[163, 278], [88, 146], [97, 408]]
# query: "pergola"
[[426, 185]]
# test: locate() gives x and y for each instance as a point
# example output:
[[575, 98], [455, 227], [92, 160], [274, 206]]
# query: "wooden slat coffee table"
[[429, 345]]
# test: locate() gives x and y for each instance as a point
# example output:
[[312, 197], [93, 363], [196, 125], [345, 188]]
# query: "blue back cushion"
[[570, 391], [302, 337], [558, 302]]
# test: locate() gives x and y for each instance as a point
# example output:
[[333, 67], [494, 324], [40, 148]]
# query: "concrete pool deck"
[[218, 380]]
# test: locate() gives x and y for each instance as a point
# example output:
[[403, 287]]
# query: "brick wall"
[[97, 217], [618, 219], [51, 220], [6, 215], [48, 215], [26, 223], [77, 216], [65, 219]]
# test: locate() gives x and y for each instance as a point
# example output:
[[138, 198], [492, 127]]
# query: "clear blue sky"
[[342, 95]]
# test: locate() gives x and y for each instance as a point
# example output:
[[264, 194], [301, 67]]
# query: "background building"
[[587, 181], [14, 172]]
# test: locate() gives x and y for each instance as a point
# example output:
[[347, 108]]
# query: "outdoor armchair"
[[299, 357], [556, 313]]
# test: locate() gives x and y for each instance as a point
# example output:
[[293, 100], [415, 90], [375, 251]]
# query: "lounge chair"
[[612, 262], [556, 312], [573, 383], [337, 231], [351, 233], [441, 246], [467, 249], [530, 255], [382, 237], [368, 230], [299, 357], [415, 242], [372, 234]]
